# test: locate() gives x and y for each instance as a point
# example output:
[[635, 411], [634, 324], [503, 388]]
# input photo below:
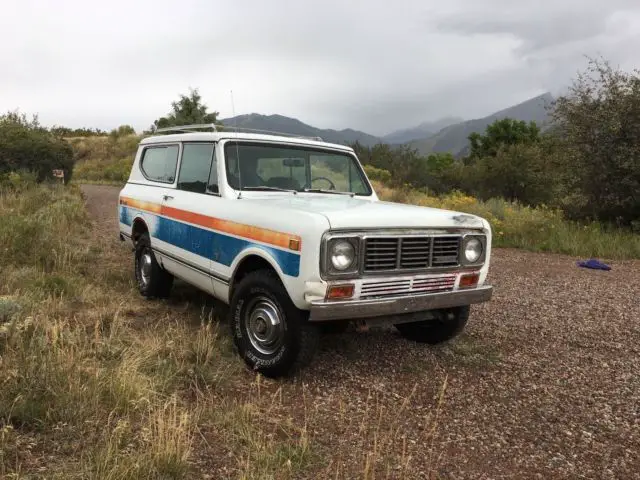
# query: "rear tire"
[[271, 335], [153, 281], [447, 324]]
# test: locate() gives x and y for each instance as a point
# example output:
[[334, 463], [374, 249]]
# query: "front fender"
[[282, 266]]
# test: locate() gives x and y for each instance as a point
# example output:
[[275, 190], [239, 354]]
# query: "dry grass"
[[98, 383], [104, 159]]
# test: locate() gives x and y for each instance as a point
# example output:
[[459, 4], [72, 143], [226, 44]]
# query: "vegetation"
[[541, 228], [25, 145], [599, 124], [587, 165], [66, 132], [99, 383], [106, 158], [188, 110], [502, 133]]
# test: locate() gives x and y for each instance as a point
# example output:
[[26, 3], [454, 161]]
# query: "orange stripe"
[[148, 206], [259, 234]]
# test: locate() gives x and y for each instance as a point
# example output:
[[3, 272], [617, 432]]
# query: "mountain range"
[[280, 123], [448, 134], [424, 130], [454, 138]]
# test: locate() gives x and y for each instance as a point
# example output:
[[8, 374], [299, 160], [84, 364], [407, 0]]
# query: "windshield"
[[275, 167]]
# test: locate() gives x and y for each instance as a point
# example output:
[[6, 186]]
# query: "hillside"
[[425, 129], [280, 123], [454, 138]]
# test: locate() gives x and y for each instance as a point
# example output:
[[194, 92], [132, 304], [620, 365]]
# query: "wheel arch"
[[138, 227], [253, 259]]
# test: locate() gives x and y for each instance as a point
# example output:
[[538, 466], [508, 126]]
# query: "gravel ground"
[[542, 384]]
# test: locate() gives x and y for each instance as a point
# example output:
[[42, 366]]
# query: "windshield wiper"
[[322, 190], [270, 189]]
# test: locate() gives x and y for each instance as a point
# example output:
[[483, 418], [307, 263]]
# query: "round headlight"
[[472, 250], [342, 255]]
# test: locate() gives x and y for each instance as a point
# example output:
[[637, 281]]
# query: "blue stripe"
[[215, 246]]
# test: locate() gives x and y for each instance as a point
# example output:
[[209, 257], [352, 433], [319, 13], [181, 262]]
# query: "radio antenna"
[[235, 124]]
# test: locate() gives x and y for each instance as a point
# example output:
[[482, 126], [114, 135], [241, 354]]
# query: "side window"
[[159, 163], [195, 167]]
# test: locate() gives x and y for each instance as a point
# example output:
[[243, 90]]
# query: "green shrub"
[[538, 229], [104, 158], [378, 174], [25, 145]]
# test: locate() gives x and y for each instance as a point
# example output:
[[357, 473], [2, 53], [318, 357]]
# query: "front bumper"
[[323, 311]]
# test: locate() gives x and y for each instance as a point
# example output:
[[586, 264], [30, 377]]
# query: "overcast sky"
[[376, 66]]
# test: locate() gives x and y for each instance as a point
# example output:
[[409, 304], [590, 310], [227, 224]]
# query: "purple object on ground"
[[594, 264]]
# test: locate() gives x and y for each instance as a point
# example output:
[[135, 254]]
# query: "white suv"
[[289, 232]]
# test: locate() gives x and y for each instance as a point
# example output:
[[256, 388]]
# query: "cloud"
[[369, 65]]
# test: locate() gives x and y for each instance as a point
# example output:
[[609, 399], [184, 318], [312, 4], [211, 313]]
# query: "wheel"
[[335, 327], [446, 325], [269, 332], [153, 280]]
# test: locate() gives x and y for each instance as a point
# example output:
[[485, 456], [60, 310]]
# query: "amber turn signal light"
[[469, 280], [340, 291], [294, 244]]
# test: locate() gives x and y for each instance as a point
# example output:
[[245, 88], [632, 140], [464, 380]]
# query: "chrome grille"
[[445, 251], [406, 286], [381, 254], [410, 253]]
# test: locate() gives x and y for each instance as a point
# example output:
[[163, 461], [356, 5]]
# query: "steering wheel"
[[332, 186]]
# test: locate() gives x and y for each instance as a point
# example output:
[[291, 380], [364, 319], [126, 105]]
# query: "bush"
[[378, 174], [522, 173], [537, 229], [599, 121], [24, 145], [104, 158]]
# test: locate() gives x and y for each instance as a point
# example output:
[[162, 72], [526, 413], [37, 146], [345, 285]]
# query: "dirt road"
[[544, 383]]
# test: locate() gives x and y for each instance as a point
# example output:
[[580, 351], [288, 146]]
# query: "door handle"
[[167, 197]]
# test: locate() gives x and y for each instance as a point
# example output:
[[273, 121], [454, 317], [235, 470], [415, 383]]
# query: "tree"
[[25, 145], [518, 172], [599, 119], [188, 110], [500, 133]]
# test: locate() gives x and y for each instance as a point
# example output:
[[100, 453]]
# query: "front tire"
[[269, 332], [446, 325], [152, 279]]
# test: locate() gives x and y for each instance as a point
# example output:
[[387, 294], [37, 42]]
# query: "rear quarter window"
[[159, 163]]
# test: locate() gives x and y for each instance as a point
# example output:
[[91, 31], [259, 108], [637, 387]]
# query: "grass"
[[104, 159], [98, 383], [76, 374], [537, 229]]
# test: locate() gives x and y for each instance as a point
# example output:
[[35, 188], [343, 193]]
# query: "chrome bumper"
[[394, 306]]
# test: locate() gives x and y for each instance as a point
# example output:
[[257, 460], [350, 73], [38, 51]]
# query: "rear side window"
[[159, 163], [195, 167]]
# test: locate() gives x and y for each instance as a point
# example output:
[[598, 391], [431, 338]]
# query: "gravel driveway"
[[543, 383]]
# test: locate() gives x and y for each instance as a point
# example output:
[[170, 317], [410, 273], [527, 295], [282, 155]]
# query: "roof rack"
[[214, 127]]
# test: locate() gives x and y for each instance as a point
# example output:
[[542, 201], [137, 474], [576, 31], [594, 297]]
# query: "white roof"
[[215, 136]]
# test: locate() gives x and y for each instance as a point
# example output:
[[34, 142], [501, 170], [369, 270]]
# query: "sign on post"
[[59, 174]]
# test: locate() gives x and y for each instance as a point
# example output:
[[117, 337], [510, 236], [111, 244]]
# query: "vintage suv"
[[289, 232]]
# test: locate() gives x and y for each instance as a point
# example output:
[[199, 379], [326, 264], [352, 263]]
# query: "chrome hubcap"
[[264, 325], [145, 267]]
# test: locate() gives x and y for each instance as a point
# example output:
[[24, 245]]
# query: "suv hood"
[[355, 213]]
